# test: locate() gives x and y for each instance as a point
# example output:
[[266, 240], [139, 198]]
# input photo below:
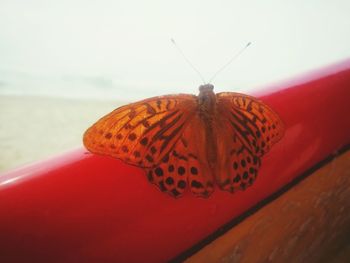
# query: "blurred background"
[[64, 64]]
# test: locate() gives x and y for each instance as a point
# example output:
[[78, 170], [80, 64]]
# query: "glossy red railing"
[[85, 208]]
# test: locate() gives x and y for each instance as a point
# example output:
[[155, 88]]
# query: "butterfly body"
[[186, 141], [208, 114]]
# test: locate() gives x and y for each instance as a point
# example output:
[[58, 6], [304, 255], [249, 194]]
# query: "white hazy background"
[[122, 49], [64, 64]]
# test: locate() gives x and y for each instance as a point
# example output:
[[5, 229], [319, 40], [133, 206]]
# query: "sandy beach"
[[34, 128]]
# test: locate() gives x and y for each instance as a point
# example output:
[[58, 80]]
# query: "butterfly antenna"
[[229, 62], [187, 60]]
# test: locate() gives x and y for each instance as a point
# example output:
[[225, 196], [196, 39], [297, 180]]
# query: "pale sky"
[[122, 49]]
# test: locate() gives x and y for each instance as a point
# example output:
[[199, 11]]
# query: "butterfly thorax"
[[207, 98], [207, 112]]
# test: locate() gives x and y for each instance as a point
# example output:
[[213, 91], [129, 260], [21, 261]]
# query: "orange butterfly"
[[190, 141]]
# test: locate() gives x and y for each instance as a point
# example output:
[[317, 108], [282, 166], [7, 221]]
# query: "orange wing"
[[252, 128], [186, 164], [142, 133]]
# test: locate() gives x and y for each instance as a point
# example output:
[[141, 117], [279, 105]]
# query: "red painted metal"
[[85, 208]]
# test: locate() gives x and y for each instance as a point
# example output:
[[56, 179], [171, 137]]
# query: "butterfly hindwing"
[[142, 133], [185, 166], [237, 167]]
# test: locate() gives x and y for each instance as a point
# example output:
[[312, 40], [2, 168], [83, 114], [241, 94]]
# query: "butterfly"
[[186, 141]]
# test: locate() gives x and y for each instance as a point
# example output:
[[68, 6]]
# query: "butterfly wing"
[[142, 133], [252, 128], [186, 164]]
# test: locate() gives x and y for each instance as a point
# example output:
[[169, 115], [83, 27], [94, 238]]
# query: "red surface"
[[81, 208]]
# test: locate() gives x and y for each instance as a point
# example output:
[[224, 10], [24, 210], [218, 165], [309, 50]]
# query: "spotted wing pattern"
[[247, 128], [144, 132], [185, 165]]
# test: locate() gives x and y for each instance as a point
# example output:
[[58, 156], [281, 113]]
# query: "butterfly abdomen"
[[207, 114]]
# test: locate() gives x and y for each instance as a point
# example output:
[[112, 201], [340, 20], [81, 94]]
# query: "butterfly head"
[[206, 97], [206, 88], [206, 91]]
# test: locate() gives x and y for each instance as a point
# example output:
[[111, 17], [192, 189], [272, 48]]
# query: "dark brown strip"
[[249, 107], [168, 104], [243, 125], [243, 135], [159, 103], [166, 127], [247, 119], [158, 122], [170, 136], [150, 109]]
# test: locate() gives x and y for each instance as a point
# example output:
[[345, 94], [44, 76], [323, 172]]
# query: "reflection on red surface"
[[80, 207]]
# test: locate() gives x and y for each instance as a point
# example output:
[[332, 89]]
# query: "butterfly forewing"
[[142, 133], [255, 123]]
